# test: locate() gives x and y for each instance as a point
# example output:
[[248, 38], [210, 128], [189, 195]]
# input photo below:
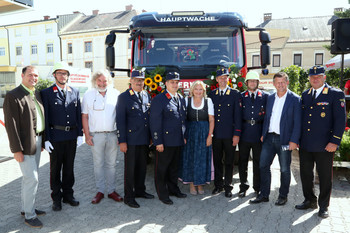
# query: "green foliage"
[[43, 83], [345, 14], [344, 148], [297, 78]]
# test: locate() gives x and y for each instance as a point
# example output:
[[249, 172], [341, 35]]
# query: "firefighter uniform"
[[132, 112], [253, 112], [323, 122], [228, 121], [63, 124], [167, 124]]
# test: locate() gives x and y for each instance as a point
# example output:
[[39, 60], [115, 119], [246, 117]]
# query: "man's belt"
[[65, 128], [253, 122]]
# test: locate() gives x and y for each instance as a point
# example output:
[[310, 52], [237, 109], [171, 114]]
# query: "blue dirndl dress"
[[196, 157]]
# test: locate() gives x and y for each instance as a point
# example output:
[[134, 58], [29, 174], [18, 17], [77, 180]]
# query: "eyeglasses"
[[62, 73], [99, 103]]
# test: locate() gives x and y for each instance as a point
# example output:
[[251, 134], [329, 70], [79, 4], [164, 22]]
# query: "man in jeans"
[[281, 134], [25, 124], [98, 117]]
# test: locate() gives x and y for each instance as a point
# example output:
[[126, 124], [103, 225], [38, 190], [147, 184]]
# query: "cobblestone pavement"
[[201, 213]]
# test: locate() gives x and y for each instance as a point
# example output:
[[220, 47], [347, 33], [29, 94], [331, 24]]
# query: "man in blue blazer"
[[133, 133], [63, 132], [167, 123], [227, 130], [281, 135], [253, 113], [323, 121]]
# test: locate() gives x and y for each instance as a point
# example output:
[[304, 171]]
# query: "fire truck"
[[193, 44]]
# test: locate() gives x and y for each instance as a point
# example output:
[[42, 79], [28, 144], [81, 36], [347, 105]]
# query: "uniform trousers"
[[244, 154], [135, 166], [324, 167], [62, 158], [221, 146], [29, 168], [166, 171], [104, 152]]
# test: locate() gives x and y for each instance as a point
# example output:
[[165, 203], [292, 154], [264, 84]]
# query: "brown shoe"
[[97, 198], [115, 196]]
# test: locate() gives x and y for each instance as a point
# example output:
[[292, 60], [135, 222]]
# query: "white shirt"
[[276, 113], [210, 105], [100, 109], [318, 91]]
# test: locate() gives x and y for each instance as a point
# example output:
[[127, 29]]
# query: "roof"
[[103, 21], [304, 29]]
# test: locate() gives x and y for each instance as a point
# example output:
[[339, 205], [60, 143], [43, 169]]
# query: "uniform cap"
[[172, 76], [316, 70], [252, 75], [61, 66], [138, 74], [221, 72]]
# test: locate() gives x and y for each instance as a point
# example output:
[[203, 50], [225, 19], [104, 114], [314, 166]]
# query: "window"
[[297, 59], [319, 59], [2, 51], [88, 64], [276, 60], [18, 50], [49, 48], [129, 44], [34, 49], [48, 29], [256, 60], [70, 48], [88, 46]]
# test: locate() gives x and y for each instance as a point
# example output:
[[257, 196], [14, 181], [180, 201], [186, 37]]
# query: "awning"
[[335, 62]]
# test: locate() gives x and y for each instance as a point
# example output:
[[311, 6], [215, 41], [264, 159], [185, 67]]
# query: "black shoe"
[[146, 196], [256, 193], [71, 201], [323, 213], [242, 193], [56, 206], [37, 212], [132, 203], [217, 190], [228, 194], [167, 201], [281, 201], [307, 205], [33, 222], [259, 199], [178, 195]]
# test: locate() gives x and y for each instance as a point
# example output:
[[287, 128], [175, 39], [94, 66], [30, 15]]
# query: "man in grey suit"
[[24, 122]]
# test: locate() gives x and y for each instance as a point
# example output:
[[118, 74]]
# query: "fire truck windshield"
[[189, 47]]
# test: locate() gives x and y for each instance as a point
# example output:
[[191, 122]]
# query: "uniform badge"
[[168, 96], [228, 92], [55, 89], [342, 104], [259, 93], [246, 94], [131, 92], [323, 114], [217, 92], [309, 91], [325, 91]]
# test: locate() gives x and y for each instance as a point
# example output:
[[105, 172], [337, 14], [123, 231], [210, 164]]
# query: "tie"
[[221, 93], [252, 97], [64, 94], [314, 95], [140, 97]]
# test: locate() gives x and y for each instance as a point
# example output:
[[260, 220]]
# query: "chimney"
[[95, 12], [128, 7], [143, 11], [267, 17], [46, 17], [76, 12], [339, 9]]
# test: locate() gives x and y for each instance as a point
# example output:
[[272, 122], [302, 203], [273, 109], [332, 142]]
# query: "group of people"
[[192, 136]]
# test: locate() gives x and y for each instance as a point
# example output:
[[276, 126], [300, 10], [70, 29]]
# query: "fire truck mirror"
[[265, 55], [110, 57], [264, 37]]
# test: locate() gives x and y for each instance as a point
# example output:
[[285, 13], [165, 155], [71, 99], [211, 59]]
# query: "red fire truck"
[[193, 44]]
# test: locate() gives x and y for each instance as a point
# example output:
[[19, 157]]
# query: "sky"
[[253, 11]]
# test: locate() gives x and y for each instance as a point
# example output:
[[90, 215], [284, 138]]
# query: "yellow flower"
[[148, 81], [158, 78], [154, 86]]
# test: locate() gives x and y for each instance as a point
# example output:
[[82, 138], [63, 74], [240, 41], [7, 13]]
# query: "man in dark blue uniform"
[[134, 137], [253, 112], [167, 123], [63, 132], [323, 124], [227, 130]]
